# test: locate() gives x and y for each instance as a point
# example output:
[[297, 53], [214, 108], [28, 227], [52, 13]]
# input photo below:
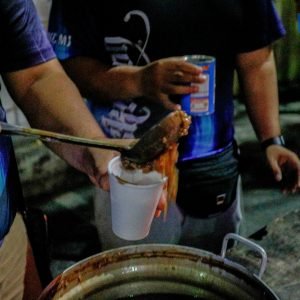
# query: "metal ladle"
[[139, 151]]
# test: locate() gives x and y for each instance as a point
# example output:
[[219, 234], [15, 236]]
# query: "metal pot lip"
[[147, 249], [162, 250], [125, 253]]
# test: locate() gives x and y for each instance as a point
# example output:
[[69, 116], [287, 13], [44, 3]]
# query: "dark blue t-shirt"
[[137, 32], [23, 43]]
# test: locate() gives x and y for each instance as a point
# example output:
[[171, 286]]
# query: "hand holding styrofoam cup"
[[134, 197]]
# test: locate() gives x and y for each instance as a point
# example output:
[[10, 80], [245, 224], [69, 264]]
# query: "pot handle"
[[251, 245]]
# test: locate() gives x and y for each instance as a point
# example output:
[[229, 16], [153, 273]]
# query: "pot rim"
[[109, 257]]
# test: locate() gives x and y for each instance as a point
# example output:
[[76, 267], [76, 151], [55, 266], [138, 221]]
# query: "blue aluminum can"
[[202, 102]]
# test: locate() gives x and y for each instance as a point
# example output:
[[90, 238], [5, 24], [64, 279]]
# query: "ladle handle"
[[49, 136]]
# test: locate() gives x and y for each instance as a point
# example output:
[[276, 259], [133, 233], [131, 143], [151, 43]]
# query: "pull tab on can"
[[202, 102]]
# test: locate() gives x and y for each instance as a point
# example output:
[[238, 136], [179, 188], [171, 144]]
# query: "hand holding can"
[[202, 102]]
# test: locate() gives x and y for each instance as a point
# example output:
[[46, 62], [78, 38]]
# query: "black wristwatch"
[[277, 140]]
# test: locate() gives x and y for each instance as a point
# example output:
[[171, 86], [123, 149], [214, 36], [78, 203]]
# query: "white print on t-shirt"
[[118, 46], [122, 120], [60, 39]]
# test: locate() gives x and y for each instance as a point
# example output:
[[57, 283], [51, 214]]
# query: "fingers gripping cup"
[[134, 197]]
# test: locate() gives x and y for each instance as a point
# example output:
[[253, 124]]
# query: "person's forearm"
[[155, 81], [97, 81], [261, 97], [52, 102]]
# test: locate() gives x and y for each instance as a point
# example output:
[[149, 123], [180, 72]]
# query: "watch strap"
[[277, 140]]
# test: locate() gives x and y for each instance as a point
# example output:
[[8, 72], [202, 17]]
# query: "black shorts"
[[207, 186]]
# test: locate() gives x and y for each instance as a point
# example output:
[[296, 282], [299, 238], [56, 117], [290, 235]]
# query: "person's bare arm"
[[50, 101], [257, 73], [155, 81]]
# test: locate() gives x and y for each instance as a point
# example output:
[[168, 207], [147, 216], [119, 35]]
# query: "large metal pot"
[[158, 271]]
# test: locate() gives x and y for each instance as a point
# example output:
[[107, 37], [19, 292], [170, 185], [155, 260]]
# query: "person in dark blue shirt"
[[49, 99], [126, 58]]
